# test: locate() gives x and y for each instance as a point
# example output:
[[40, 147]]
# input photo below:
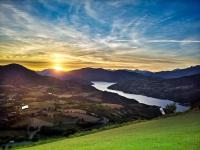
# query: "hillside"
[[177, 73], [183, 90], [174, 133]]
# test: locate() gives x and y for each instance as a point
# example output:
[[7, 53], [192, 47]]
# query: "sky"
[[116, 34]]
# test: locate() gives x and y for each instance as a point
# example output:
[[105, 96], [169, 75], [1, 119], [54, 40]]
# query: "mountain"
[[94, 74], [183, 90], [143, 72], [18, 75], [99, 74], [18, 69], [52, 73], [177, 73]]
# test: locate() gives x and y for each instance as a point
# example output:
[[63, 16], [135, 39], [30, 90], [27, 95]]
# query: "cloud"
[[173, 41], [91, 12], [122, 38]]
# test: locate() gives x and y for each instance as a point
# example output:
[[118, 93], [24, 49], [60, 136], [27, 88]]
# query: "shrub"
[[170, 108]]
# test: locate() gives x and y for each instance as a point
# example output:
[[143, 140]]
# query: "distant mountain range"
[[177, 73], [94, 74], [18, 74], [99, 74]]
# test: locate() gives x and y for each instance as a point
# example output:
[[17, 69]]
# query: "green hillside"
[[181, 132]]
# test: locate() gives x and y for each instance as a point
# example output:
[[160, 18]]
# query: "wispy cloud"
[[92, 33], [173, 41], [92, 12]]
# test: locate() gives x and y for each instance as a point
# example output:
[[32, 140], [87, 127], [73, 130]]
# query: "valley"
[[104, 86], [37, 107]]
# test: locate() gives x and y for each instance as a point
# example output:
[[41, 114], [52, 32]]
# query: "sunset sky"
[[117, 34]]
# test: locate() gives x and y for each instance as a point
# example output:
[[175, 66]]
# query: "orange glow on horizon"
[[58, 68]]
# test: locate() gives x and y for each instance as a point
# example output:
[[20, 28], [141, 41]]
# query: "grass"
[[181, 132]]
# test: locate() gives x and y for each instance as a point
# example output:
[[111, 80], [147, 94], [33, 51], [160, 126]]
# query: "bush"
[[50, 131], [35, 138], [170, 108]]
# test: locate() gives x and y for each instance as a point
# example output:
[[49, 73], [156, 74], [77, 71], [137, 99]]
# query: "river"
[[103, 86]]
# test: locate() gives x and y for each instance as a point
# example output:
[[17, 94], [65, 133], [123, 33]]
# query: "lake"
[[103, 86]]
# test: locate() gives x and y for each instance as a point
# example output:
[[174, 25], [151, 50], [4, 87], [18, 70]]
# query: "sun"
[[58, 68]]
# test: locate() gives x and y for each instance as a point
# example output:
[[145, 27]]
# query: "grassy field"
[[181, 132]]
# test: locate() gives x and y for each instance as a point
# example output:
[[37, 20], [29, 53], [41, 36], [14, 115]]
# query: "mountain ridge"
[[100, 74]]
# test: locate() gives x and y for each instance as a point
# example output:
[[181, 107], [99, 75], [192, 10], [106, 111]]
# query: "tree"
[[170, 108]]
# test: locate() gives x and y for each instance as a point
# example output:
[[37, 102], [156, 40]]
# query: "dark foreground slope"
[[181, 132], [183, 90]]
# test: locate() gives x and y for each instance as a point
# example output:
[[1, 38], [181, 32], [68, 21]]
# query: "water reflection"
[[103, 86]]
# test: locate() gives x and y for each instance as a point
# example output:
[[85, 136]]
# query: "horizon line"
[[97, 68]]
